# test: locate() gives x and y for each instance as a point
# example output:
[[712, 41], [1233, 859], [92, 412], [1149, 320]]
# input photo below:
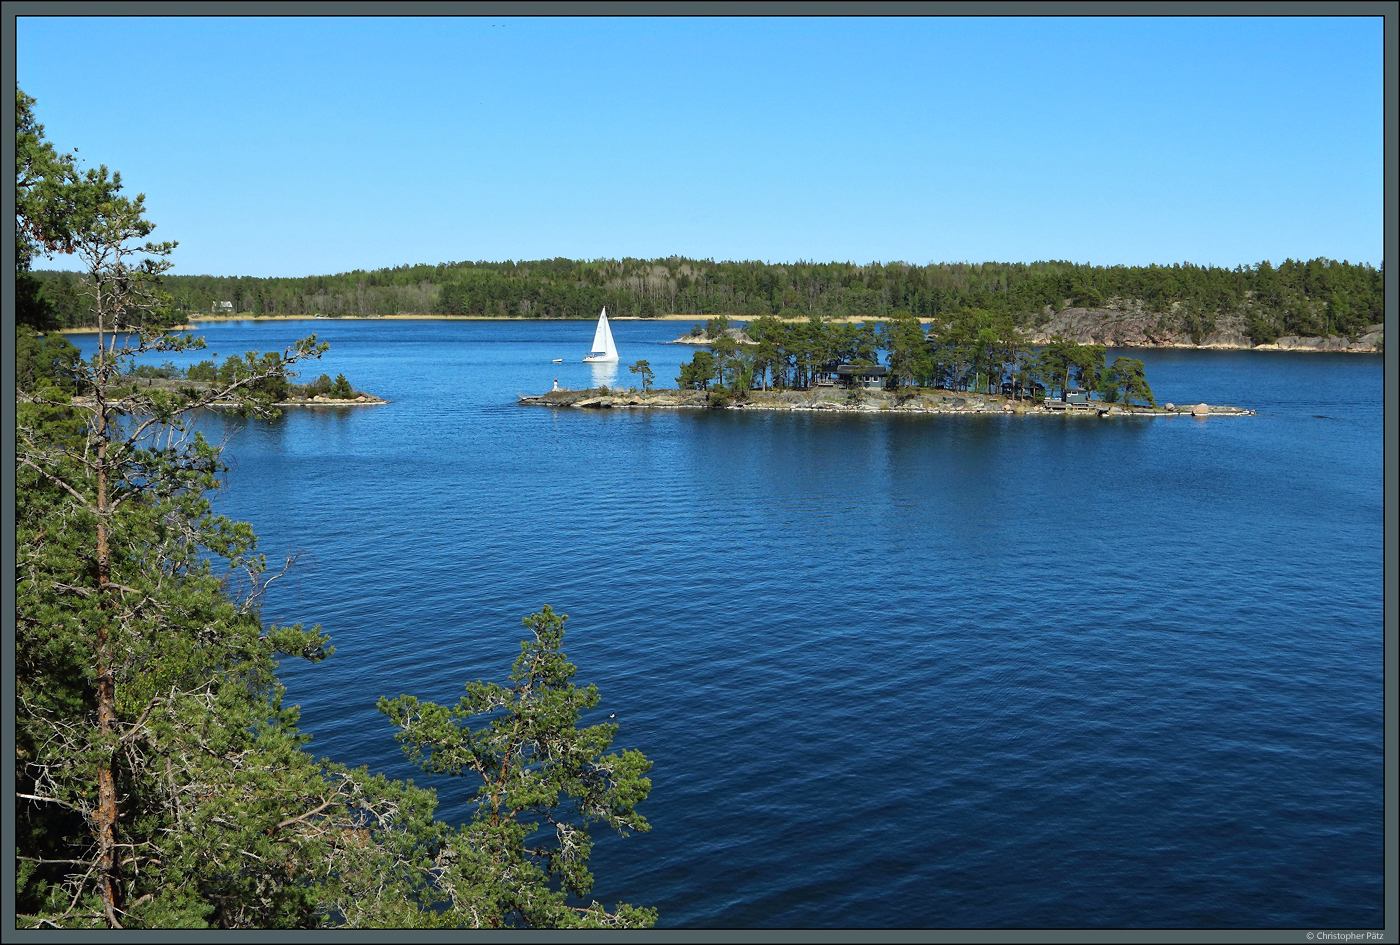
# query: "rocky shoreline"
[[363, 400], [360, 398], [1131, 326], [867, 401], [320, 400]]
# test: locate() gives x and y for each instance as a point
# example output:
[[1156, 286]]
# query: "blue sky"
[[295, 146]]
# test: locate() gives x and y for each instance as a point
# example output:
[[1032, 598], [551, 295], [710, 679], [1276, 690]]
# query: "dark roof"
[[862, 370]]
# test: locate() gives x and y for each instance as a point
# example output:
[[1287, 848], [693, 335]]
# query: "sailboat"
[[604, 351]]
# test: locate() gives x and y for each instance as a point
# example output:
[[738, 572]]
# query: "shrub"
[[1261, 329], [150, 371], [203, 371]]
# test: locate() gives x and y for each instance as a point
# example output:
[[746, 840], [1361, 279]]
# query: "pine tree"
[[159, 780], [543, 782]]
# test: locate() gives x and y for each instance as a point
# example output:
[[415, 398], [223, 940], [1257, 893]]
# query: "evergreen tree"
[[905, 343], [1126, 374], [643, 368], [159, 780], [697, 374], [43, 193], [543, 782]]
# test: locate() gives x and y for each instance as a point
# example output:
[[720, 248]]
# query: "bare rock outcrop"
[[1131, 325], [1367, 342]]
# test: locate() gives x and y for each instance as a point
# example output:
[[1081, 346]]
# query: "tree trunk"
[[105, 816]]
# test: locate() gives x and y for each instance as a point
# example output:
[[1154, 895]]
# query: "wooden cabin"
[[847, 376]]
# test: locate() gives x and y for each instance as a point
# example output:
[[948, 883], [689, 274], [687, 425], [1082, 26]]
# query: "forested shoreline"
[[1316, 298]]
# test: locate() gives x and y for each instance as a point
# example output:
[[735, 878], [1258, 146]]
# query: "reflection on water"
[[603, 374]]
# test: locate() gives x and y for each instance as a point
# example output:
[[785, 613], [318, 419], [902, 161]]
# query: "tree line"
[[1307, 298], [972, 350], [160, 781]]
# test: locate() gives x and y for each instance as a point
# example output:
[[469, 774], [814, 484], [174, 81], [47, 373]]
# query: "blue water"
[[893, 672]]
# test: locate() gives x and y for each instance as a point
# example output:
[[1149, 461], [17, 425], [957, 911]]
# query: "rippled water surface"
[[892, 671]]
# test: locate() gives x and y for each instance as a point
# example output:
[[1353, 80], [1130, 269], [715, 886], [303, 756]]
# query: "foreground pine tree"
[[543, 781], [159, 780]]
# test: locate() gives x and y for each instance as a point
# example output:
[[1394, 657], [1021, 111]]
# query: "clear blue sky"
[[296, 146]]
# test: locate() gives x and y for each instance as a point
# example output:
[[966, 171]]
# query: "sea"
[[893, 671]]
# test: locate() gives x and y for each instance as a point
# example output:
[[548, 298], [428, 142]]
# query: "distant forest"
[[1317, 297]]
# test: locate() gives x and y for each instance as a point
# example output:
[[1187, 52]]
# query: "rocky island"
[[322, 393], [975, 364]]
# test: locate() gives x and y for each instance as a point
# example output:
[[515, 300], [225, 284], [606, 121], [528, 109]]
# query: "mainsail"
[[603, 347]]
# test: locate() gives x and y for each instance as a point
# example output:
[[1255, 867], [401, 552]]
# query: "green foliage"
[[1126, 374], [137, 667], [166, 370], [44, 190], [1346, 296], [543, 781], [717, 327], [1089, 366], [203, 371], [644, 369], [1062, 363], [1086, 296], [258, 379], [723, 347], [159, 780], [341, 389], [1261, 329], [908, 352], [974, 348], [737, 372], [45, 361], [697, 374], [1198, 324], [718, 397]]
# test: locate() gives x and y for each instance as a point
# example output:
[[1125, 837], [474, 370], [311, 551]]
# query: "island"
[[976, 365], [276, 391]]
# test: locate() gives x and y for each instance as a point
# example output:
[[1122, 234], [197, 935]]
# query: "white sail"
[[603, 347]]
